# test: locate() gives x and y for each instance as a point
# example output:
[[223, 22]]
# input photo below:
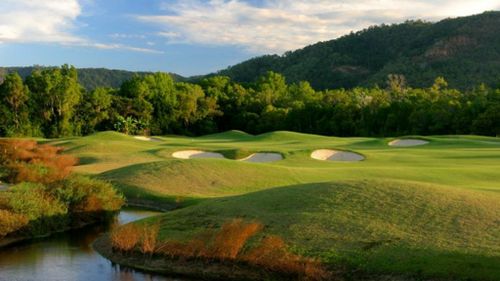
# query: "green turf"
[[431, 210], [376, 225], [470, 162]]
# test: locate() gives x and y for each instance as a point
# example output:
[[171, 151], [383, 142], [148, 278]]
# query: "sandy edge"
[[144, 138], [407, 142], [263, 157], [191, 154], [336, 155]]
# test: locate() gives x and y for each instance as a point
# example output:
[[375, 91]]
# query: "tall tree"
[[94, 109], [55, 93], [14, 97], [162, 96]]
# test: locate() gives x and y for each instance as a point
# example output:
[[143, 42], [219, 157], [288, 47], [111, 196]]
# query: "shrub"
[[10, 222], [84, 194], [197, 247], [272, 254], [25, 160], [149, 236], [33, 201], [125, 238], [231, 238]]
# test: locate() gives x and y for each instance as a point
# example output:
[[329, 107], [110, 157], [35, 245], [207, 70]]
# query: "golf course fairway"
[[430, 211]]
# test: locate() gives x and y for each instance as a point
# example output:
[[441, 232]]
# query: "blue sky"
[[192, 37]]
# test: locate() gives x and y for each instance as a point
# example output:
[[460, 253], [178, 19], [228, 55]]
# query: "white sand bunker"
[[407, 142], [143, 138], [336, 155], [263, 157], [192, 154]]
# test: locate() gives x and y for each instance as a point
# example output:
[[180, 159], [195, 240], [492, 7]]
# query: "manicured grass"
[[470, 162], [431, 210], [375, 225]]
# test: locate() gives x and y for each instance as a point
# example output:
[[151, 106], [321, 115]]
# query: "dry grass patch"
[[228, 244]]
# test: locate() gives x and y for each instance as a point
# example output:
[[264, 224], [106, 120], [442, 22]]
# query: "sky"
[[192, 37]]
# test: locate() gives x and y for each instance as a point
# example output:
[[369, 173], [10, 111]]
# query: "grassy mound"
[[199, 177], [430, 210], [378, 226]]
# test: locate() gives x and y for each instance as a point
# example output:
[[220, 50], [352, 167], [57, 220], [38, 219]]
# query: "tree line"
[[51, 103]]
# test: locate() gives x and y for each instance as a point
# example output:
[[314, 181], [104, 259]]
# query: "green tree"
[[14, 110], [55, 95], [488, 123], [94, 110], [161, 95], [127, 125], [271, 88], [133, 100]]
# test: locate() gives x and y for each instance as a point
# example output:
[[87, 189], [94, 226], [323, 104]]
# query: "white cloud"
[[280, 25], [38, 21], [48, 21], [105, 46]]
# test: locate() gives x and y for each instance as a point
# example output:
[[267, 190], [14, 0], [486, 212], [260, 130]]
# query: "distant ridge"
[[466, 51], [90, 78]]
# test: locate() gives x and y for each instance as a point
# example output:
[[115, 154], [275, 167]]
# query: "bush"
[[10, 222], [33, 201], [26, 161], [232, 237], [270, 254], [84, 194], [149, 236], [125, 238], [48, 197]]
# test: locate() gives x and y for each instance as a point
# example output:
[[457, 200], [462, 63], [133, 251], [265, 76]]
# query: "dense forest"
[[464, 50], [52, 103], [89, 78]]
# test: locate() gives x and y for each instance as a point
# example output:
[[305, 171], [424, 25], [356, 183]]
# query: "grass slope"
[[379, 226], [461, 161], [431, 210]]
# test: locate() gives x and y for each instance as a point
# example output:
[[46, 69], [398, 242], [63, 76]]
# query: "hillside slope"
[[378, 226], [466, 51], [90, 78]]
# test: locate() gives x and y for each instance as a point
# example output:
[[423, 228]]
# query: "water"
[[69, 256]]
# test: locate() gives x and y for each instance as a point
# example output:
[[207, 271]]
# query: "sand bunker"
[[263, 157], [407, 142], [192, 154], [336, 155], [143, 138]]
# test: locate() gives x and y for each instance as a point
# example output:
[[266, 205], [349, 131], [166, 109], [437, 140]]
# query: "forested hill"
[[465, 51], [89, 78]]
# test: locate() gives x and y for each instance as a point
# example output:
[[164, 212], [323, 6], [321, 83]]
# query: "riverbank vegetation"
[[230, 244], [51, 103], [43, 195]]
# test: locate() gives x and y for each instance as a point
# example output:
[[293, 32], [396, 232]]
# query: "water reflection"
[[69, 256]]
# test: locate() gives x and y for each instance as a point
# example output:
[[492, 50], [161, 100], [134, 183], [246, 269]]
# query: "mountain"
[[90, 78], [465, 51]]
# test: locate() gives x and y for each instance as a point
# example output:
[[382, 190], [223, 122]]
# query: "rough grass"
[[225, 245]]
